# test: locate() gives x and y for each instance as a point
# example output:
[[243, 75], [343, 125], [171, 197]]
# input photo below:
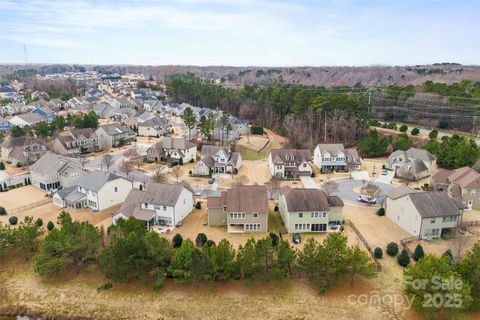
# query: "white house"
[[423, 214], [97, 190], [26, 119], [159, 204], [289, 163], [309, 210], [334, 157], [217, 159], [173, 149], [413, 164]]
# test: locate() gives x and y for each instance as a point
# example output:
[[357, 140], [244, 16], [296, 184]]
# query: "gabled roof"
[[434, 204], [400, 191], [96, 180], [52, 161], [208, 150], [31, 118], [245, 199], [163, 194], [11, 142], [333, 149], [465, 177], [297, 155], [116, 128], [300, 200], [154, 122], [176, 143], [411, 154]]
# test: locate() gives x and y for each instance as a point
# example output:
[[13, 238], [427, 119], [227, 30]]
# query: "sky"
[[240, 32]]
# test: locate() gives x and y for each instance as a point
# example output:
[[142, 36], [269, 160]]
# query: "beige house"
[[309, 210], [462, 184], [413, 164], [76, 141], [23, 150], [242, 209], [289, 163], [423, 214]]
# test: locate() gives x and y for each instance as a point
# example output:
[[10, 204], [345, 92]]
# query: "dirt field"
[[253, 142], [21, 196]]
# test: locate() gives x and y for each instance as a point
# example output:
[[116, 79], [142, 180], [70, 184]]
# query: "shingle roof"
[[245, 199], [280, 155], [176, 143], [208, 150], [434, 204], [162, 193], [96, 180], [400, 191], [52, 161], [333, 149], [299, 200], [116, 128]]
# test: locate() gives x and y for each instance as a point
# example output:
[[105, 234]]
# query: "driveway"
[[346, 186], [309, 183], [360, 175], [386, 178]]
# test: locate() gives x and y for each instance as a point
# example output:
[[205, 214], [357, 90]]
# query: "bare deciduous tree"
[[370, 190], [159, 175], [130, 152], [107, 160], [459, 242], [177, 172], [330, 186], [105, 145], [273, 185], [126, 166]]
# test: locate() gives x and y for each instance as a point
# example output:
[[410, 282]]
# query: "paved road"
[[346, 186]]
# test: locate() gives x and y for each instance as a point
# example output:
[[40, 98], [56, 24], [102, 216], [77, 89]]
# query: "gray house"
[[114, 134], [242, 209], [413, 164], [309, 210]]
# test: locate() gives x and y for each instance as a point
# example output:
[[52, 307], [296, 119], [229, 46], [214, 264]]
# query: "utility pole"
[[369, 100], [325, 129]]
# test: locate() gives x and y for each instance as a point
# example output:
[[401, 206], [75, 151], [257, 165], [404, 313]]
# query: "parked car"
[[296, 239], [211, 181], [197, 193], [367, 199], [384, 172], [173, 164]]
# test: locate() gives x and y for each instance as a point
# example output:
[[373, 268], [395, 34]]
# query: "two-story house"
[[334, 157], [97, 190], [26, 119], [76, 141], [23, 150], [462, 184], [158, 204], [4, 125], [46, 113], [216, 159], [154, 127], [413, 164], [423, 214], [52, 171], [242, 209], [309, 210], [289, 163], [172, 148], [114, 134]]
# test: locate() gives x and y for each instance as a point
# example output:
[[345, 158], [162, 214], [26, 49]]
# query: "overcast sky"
[[240, 32]]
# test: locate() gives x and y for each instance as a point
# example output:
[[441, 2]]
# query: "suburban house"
[[113, 135], [23, 150], [462, 184], [4, 125], [52, 171], [309, 210], [334, 157], [97, 190], [289, 163], [159, 204], [423, 214], [242, 209], [76, 141], [47, 114], [413, 164], [170, 148], [154, 127], [217, 159], [26, 119]]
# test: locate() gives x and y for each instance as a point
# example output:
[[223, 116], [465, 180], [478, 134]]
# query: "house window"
[[473, 193], [304, 165], [449, 219], [300, 215], [255, 215], [164, 208], [115, 189], [156, 207], [433, 220]]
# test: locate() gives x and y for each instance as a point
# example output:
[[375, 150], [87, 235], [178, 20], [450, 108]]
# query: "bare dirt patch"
[[21, 196]]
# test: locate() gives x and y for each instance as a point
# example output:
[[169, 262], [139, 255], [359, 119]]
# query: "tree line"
[[306, 114], [131, 253]]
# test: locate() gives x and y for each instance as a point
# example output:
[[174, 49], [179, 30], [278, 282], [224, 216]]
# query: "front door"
[[470, 204]]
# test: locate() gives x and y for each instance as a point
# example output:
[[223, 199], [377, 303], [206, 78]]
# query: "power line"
[[427, 93]]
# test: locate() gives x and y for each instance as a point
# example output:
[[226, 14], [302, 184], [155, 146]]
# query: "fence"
[[404, 243], [470, 223], [365, 243], [30, 206]]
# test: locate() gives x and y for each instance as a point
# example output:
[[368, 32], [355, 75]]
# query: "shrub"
[[39, 222], [381, 212], [198, 205], [403, 128], [392, 249], [13, 220], [418, 253], [50, 226], [190, 172], [191, 160], [2, 166], [210, 243], [276, 208], [378, 253], [19, 165], [3, 211], [403, 258], [256, 130], [177, 240], [415, 131], [433, 134], [201, 239], [274, 237], [392, 126], [312, 175]]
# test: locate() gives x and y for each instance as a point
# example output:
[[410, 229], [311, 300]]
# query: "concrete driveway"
[[360, 175], [386, 178], [309, 183], [346, 186]]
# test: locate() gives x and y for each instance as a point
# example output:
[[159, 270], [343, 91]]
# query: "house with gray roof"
[[114, 135], [217, 159], [97, 190], [413, 164], [53, 171], [173, 148], [462, 184], [23, 150], [159, 204], [335, 157], [309, 210], [76, 141], [154, 127], [423, 214], [289, 163], [26, 119]]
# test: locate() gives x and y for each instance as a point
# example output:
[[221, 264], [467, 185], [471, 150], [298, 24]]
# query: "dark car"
[[296, 239], [173, 164], [211, 181]]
